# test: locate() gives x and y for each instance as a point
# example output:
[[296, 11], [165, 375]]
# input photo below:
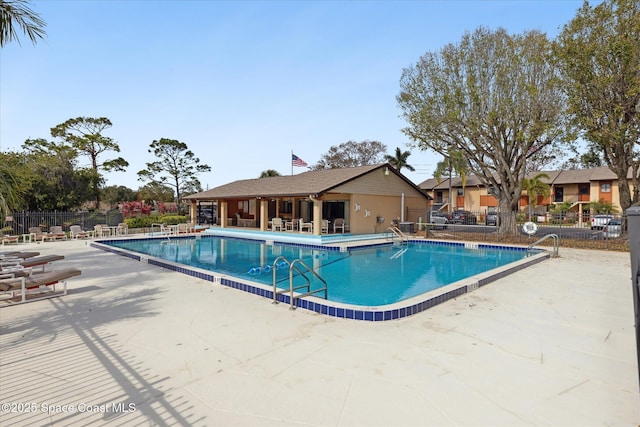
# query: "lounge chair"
[[43, 283], [17, 254], [55, 233], [277, 224], [37, 234], [338, 224], [76, 232], [36, 261], [324, 226], [6, 239]]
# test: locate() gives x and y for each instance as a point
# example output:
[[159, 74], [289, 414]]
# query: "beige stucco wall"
[[365, 209]]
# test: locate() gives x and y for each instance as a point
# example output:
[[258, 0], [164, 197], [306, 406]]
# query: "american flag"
[[297, 161]]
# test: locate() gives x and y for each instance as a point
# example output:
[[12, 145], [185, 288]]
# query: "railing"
[[19, 222], [399, 234], [293, 266], [556, 243]]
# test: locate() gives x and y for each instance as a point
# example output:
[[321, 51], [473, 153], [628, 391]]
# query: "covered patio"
[[360, 200]]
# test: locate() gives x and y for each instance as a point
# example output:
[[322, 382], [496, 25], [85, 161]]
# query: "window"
[[558, 195], [460, 192], [583, 189], [605, 187]]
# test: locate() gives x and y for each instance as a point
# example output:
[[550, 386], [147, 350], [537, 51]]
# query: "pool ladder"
[[404, 239], [556, 243], [300, 267]]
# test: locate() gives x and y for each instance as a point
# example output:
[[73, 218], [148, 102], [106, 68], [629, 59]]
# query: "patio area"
[[135, 344]]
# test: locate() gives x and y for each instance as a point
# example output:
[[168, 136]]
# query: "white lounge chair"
[[324, 226], [76, 232], [338, 224]]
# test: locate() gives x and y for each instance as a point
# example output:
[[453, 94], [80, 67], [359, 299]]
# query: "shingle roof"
[[304, 184], [573, 176]]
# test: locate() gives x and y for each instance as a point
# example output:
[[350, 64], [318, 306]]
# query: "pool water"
[[369, 276]]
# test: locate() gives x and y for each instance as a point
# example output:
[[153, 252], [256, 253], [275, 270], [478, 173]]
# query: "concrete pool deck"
[[135, 344]]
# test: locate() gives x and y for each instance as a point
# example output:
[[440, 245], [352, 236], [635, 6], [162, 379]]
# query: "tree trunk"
[[508, 225]]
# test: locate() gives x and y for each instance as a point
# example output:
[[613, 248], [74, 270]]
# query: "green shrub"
[[148, 221]]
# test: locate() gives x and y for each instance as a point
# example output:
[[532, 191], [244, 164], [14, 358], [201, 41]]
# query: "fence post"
[[633, 218]]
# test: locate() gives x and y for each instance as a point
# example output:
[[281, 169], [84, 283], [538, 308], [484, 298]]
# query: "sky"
[[242, 83]]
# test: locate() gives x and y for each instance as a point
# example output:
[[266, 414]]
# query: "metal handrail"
[[398, 233], [309, 291], [556, 243], [292, 267]]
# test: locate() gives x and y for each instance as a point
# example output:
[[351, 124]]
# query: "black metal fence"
[[607, 231], [19, 222]]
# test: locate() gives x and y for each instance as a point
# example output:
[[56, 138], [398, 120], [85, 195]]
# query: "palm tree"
[[269, 173], [399, 160], [16, 13], [535, 187], [455, 161]]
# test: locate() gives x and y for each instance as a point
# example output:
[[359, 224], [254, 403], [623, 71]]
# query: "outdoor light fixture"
[[386, 170]]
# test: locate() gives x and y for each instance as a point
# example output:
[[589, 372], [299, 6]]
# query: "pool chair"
[[76, 232], [338, 224], [292, 225], [55, 233], [38, 235], [324, 226], [277, 224], [101, 230], [123, 229], [41, 285], [36, 261], [17, 254], [8, 239], [307, 225]]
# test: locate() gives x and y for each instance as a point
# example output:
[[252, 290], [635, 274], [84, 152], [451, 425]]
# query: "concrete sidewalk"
[[133, 344]]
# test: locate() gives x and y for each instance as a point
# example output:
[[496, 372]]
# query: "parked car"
[[613, 229], [462, 217], [493, 218], [439, 219], [599, 221]]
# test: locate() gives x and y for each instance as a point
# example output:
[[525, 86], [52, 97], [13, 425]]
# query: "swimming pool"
[[369, 278]]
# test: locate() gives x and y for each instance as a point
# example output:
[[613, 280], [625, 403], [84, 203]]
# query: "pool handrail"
[[556, 244], [398, 233], [274, 269], [309, 291]]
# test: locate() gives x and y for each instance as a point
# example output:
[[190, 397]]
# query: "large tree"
[[16, 14], [599, 54], [176, 167], [494, 97], [84, 134], [351, 154], [399, 160], [55, 180]]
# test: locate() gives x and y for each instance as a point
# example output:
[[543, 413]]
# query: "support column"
[[264, 214], [193, 211], [317, 217], [223, 214]]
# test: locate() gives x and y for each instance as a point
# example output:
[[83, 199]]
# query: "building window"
[[583, 189], [558, 195], [605, 187], [460, 192]]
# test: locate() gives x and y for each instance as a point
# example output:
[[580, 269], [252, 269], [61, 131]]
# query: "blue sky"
[[241, 83]]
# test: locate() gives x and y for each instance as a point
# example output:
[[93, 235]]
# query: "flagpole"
[[291, 160]]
